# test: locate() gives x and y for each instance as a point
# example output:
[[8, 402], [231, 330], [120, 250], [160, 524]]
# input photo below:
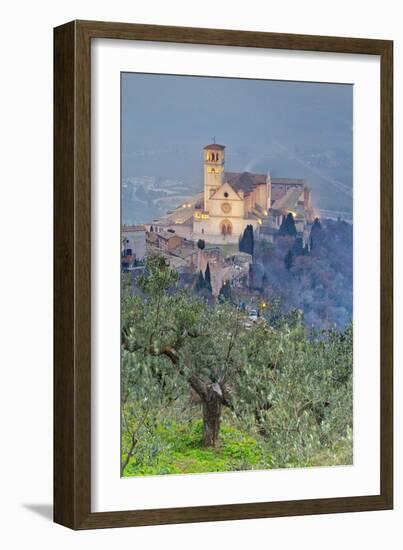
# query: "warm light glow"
[[179, 221], [259, 222], [200, 216], [265, 212]]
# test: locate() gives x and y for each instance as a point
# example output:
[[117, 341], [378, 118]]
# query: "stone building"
[[232, 200], [133, 243], [165, 241]]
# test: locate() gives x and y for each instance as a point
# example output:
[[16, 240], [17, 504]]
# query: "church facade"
[[231, 200]]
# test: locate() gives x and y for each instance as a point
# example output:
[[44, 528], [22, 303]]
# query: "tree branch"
[[134, 440]]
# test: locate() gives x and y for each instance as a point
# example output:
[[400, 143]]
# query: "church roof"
[[133, 228], [215, 147], [287, 181], [281, 186], [244, 181], [288, 200], [199, 202]]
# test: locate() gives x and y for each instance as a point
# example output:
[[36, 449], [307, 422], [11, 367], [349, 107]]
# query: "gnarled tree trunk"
[[212, 406], [212, 398]]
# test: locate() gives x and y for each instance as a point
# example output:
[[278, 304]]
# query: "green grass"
[[339, 454], [181, 451]]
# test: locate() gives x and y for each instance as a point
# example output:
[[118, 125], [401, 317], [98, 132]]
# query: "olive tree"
[[282, 383], [296, 389], [188, 341]]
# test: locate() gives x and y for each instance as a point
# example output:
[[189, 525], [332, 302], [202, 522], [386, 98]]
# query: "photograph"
[[236, 274]]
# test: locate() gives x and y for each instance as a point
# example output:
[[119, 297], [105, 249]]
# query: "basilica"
[[232, 200]]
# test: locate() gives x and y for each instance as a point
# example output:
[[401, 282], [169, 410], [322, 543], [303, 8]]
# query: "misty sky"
[[293, 129]]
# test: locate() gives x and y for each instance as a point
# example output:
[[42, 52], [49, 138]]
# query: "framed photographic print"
[[223, 275]]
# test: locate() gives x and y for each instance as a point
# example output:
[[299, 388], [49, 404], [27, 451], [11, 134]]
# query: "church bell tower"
[[213, 170]]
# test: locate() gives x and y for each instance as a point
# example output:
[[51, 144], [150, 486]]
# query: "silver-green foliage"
[[289, 388]]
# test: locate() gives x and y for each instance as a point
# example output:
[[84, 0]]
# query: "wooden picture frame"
[[72, 272]]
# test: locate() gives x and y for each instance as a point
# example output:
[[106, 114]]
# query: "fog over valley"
[[295, 130]]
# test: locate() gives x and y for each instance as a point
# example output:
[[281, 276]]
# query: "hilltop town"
[[206, 229]]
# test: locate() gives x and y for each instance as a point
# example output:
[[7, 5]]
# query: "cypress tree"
[[287, 227], [207, 278], [246, 242], [282, 228], [316, 233]]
